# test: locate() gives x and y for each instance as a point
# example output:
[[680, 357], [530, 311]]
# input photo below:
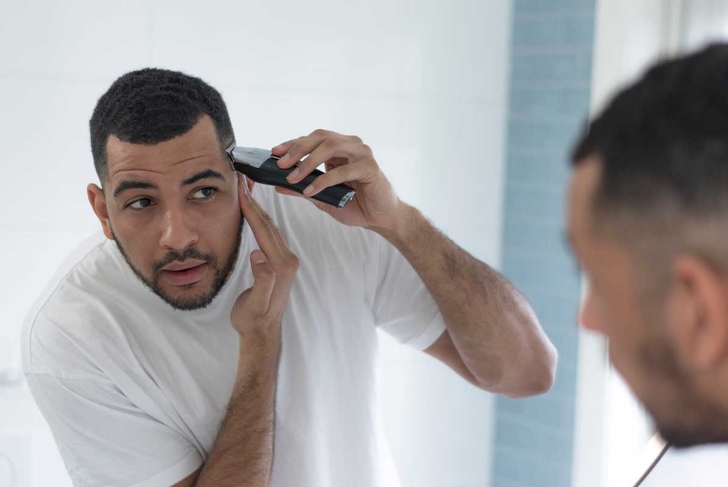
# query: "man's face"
[[642, 346], [173, 210]]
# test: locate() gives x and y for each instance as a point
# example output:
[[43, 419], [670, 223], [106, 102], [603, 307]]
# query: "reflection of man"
[[648, 216], [130, 352]]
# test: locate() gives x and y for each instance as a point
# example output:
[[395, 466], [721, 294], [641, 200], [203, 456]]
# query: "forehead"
[[198, 145]]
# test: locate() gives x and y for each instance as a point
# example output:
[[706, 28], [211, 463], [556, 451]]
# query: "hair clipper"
[[261, 166]]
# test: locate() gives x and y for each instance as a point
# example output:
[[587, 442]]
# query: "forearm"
[[243, 451], [494, 329]]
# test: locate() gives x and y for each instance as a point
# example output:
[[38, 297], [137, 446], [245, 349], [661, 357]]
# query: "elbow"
[[539, 376], [529, 372], [530, 377]]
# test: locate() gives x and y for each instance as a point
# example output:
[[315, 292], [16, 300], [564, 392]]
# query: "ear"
[[98, 204], [698, 313]]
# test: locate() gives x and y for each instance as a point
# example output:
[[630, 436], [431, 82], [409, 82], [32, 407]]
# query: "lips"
[[181, 266], [184, 273]]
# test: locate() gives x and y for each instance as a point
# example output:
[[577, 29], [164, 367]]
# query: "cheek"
[[138, 244], [138, 235], [219, 224], [619, 319]]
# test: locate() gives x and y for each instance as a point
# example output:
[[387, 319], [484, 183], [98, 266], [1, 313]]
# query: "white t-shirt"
[[703, 466], [135, 391]]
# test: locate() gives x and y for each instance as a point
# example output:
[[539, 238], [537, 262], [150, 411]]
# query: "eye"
[[139, 204], [204, 193]]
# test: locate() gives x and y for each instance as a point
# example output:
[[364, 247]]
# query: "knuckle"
[[295, 263], [266, 274], [320, 132], [329, 144], [293, 146], [290, 268], [356, 139]]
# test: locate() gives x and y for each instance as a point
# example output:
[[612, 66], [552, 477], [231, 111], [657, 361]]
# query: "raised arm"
[[243, 451], [493, 338]]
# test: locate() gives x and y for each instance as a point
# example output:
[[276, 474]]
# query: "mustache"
[[190, 253]]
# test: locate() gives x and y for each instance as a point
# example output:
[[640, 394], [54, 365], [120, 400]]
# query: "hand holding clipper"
[[261, 166]]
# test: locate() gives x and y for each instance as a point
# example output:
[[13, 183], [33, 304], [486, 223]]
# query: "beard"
[[198, 300], [681, 416]]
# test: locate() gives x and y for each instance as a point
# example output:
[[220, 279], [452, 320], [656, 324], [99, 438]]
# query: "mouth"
[[184, 273]]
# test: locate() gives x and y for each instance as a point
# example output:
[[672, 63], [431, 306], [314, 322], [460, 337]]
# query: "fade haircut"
[[663, 147], [149, 106]]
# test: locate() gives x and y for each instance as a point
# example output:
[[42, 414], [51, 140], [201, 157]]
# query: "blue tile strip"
[[552, 44]]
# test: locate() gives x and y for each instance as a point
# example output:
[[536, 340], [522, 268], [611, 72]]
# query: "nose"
[[587, 316], [178, 232]]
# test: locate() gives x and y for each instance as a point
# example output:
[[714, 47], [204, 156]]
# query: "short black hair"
[[665, 138], [151, 105]]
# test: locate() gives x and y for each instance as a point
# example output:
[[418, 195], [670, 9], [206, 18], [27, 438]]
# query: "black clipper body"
[[261, 166]]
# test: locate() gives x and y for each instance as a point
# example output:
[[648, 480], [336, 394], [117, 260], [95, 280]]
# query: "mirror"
[[471, 110]]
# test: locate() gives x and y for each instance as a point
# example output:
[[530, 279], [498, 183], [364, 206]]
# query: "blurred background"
[[470, 107]]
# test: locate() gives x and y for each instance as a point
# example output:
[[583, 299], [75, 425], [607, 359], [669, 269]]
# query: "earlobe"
[[699, 313], [98, 205]]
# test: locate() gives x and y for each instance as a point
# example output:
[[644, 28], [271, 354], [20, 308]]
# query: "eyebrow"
[[133, 184], [206, 174]]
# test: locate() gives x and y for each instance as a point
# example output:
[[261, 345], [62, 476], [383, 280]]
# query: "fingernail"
[[259, 258], [284, 159], [278, 147], [293, 174], [308, 190]]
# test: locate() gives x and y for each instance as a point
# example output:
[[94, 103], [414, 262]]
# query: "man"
[[648, 217], [211, 320]]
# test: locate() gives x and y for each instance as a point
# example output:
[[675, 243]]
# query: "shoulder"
[[61, 319]]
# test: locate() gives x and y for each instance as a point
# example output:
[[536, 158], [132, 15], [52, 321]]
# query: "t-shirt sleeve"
[[402, 305], [105, 440]]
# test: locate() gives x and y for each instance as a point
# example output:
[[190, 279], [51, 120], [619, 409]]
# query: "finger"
[[243, 187], [281, 149], [327, 150], [272, 227], [286, 265], [288, 192], [264, 279], [303, 146], [342, 174], [266, 233], [255, 301], [284, 281]]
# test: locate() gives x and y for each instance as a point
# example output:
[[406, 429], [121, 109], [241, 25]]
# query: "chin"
[[692, 425], [188, 302], [188, 298]]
